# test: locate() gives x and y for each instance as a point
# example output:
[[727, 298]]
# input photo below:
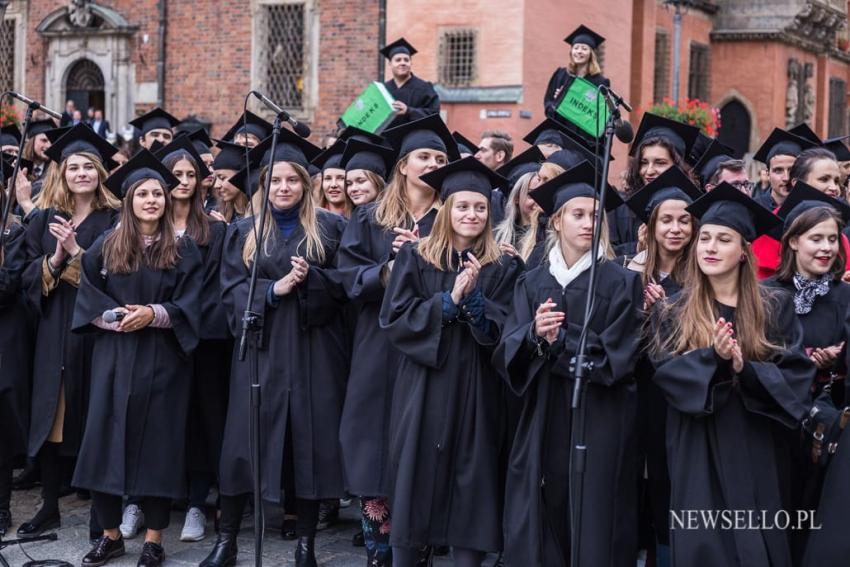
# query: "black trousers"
[[109, 507]]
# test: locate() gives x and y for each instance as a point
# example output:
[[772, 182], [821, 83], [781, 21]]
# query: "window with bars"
[[837, 107], [281, 54], [7, 56], [661, 76], [458, 57], [698, 72]]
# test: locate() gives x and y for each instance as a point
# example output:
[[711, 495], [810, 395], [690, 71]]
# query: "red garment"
[[767, 250]]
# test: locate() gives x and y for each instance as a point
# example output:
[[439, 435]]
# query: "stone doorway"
[[84, 86]]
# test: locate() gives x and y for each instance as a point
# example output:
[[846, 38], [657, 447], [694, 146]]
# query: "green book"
[[372, 110], [583, 106]]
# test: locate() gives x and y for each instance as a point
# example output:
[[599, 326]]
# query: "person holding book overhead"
[[414, 97], [583, 63]]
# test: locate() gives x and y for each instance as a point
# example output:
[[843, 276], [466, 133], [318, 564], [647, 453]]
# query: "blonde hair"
[[549, 171], [393, 205], [374, 178], [437, 250], [593, 67], [306, 217], [505, 231], [56, 194], [552, 235]]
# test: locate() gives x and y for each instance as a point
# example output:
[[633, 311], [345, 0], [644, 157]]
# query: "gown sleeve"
[[427, 102], [212, 316], [184, 306], [92, 298], [558, 79], [497, 300], [13, 265], [411, 315], [321, 295], [33, 276], [359, 267]]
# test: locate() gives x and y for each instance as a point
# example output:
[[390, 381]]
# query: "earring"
[[743, 258]]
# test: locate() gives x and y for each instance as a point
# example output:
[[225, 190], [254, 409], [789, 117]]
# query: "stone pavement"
[[333, 546]]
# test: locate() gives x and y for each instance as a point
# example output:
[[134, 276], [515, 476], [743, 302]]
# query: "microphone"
[[618, 100], [300, 128], [624, 131], [35, 104], [112, 315]]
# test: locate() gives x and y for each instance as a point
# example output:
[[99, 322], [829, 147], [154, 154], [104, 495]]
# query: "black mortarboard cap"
[[247, 185], [673, 184], [249, 123], [10, 135], [200, 140], [804, 131], [838, 147], [426, 133], [330, 157], [700, 146], [781, 143], [143, 165], [353, 132], [80, 139], [55, 133], [156, 119], [681, 136], [467, 174], [230, 156], [804, 197], [547, 132], [727, 206], [711, 158], [9, 164], [464, 144], [519, 165], [290, 147], [182, 145], [577, 182], [363, 155], [40, 127], [585, 35], [398, 46]]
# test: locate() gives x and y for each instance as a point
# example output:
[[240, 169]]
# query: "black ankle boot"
[[305, 552], [224, 552], [5, 521]]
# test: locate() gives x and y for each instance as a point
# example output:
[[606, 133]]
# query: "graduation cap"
[[243, 182], [464, 144], [782, 143], [802, 129], [143, 165], [9, 164], [200, 140], [467, 174], [55, 133], [230, 156], [330, 157], [182, 146], [838, 147], [572, 153], [426, 133], [10, 135], [727, 206], [547, 132], [577, 182], [681, 136], [249, 123], [156, 119], [526, 162], [700, 146], [290, 147], [40, 127], [673, 184], [803, 197], [711, 159], [313, 171], [400, 45], [353, 132], [363, 155], [79, 139], [585, 35]]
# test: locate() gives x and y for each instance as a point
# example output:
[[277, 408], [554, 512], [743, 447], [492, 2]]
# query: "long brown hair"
[[306, 217], [56, 194], [693, 315], [634, 182], [198, 223], [124, 251], [323, 199], [437, 250], [393, 205], [801, 225], [653, 253]]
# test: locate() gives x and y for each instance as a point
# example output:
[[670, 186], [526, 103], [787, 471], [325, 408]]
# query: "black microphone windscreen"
[[624, 132], [302, 129]]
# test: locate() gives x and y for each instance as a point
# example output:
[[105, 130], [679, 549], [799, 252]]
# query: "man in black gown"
[[414, 98]]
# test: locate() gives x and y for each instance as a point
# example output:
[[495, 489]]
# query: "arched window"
[[85, 86], [735, 126]]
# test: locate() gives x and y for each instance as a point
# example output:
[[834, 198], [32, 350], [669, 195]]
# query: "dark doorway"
[[735, 125], [85, 86]]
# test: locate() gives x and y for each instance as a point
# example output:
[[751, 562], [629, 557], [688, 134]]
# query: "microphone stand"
[[9, 202], [4, 543], [579, 365], [252, 324]]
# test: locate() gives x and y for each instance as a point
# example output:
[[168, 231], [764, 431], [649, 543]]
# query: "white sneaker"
[[344, 502], [132, 521], [194, 528]]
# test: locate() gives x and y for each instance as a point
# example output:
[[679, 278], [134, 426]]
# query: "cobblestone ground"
[[333, 546]]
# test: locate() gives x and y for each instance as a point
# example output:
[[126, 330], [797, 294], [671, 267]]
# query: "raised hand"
[[547, 322]]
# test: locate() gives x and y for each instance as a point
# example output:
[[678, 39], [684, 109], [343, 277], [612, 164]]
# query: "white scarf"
[[566, 274]]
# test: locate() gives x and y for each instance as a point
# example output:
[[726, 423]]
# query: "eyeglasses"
[[743, 186]]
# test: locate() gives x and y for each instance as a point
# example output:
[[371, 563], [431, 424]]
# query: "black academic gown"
[[419, 96], [62, 358], [447, 407], [563, 78], [212, 357], [16, 336], [725, 437], [536, 518], [623, 230], [134, 441], [365, 250], [302, 366]]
